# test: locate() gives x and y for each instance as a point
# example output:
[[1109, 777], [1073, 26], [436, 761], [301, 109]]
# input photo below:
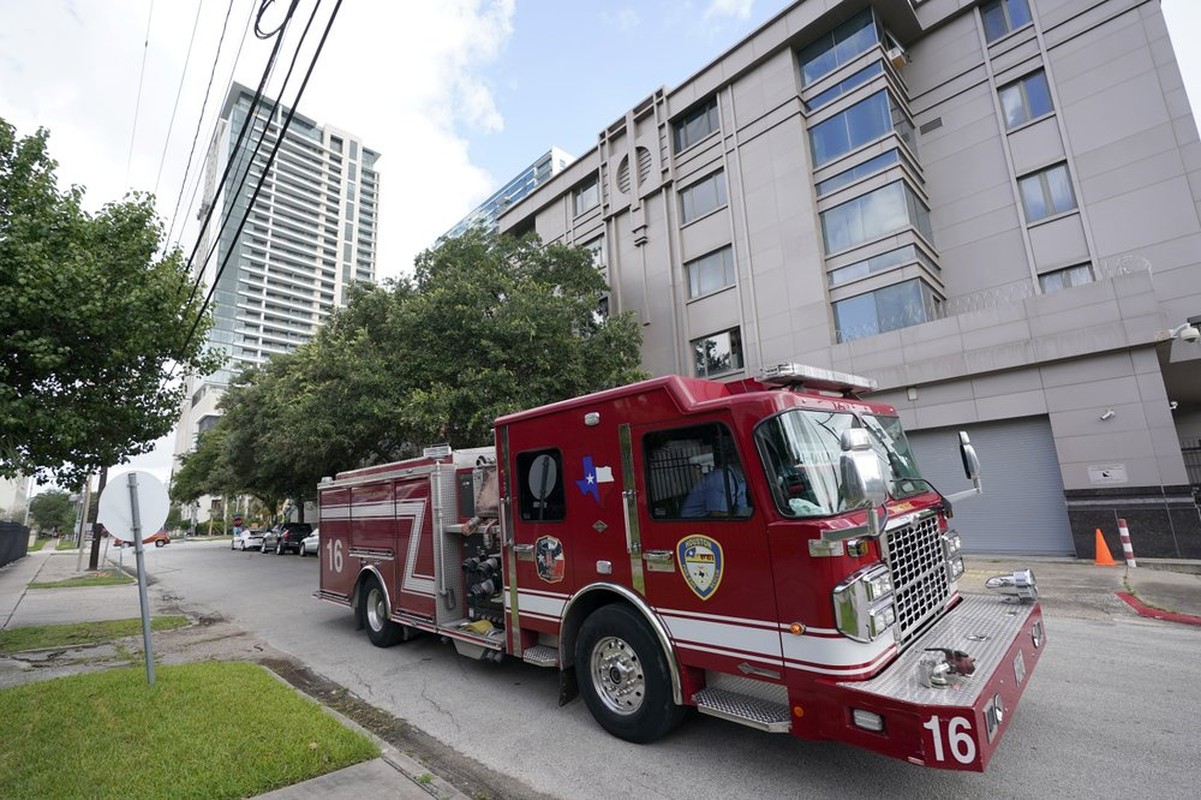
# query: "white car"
[[311, 543], [247, 540]]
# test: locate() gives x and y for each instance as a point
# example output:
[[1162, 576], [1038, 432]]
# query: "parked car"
[[159, 539], [285, 537], [311, 543], [247, 540]]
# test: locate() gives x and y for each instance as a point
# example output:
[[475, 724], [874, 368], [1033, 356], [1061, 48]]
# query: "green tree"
[[498, 324], [93, 320], [53, 509], [487, 325]]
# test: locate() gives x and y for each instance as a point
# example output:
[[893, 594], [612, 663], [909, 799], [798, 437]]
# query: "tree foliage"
[[92, 321], [486, 325], [53, 509]]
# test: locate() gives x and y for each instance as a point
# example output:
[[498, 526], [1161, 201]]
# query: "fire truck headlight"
[[882, 618], [952, 543], [863, 606], [955, 567], [878, 585]]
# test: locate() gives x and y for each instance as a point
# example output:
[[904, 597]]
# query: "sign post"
[[126, 511]]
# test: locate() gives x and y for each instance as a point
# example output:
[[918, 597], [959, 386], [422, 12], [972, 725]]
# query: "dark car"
[[285, 538]]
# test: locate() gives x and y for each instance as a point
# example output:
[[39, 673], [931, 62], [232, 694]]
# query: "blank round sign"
[[116, 511]]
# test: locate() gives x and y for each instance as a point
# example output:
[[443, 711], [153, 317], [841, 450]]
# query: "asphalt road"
[[1112, 710]]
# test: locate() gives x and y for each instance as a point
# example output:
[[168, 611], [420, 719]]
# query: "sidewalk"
[[393, 776]]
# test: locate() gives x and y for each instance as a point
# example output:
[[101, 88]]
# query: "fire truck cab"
[[765, 551]]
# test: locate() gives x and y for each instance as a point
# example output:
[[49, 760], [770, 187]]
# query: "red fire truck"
[[765, 551]]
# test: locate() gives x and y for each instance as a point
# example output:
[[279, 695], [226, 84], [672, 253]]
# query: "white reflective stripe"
[[763, 641], [527, 614], [335, 512], [415, 511], [772, 663], [834, 653], [761, 623], [530, 603], [844, 672]]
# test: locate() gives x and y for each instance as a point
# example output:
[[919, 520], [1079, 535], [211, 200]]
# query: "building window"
[[887, 209], [838, 47], [711, 272], [885, 309], [1066, 278], [1026, 99], [354, 150], [842, 87], [863, 122], [702, 197], [869, 167], [717, 353], [908, 254], [540, 486], [335, 144], [696, 125], [1047, 193], [586, 196], [1001, 17], [597, 248]]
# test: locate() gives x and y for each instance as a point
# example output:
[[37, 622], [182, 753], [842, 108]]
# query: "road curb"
[[1155, 613]]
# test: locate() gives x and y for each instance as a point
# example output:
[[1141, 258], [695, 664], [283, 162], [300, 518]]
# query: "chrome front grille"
[[919, 574]]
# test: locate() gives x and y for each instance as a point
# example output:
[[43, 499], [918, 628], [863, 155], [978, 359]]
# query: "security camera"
[[1190, 333]]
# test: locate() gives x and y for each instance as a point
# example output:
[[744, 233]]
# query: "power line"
[[258, 93], [133, 134], [203, 108], [183, 75], [275, 148]]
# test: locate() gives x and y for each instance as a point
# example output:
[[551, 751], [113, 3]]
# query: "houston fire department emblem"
[[701, 564], [548, 557]]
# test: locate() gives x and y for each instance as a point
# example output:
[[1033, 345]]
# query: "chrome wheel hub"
[[617, 675]]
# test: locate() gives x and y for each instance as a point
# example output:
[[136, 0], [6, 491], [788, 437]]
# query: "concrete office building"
[[311, 232], [991, 208], [484, 215]]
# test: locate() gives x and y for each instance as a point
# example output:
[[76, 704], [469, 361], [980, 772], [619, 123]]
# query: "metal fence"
[[14, 541]]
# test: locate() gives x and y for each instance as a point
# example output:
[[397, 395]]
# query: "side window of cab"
[[540, 495], [695, 472]]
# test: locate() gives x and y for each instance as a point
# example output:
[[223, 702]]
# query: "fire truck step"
[[541, 655], [743, 709]]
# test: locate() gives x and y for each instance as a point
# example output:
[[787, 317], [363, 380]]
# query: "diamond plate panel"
[[743, 708], [982, 626]]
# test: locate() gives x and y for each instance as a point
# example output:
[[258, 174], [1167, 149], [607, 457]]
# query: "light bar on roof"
[[816, 378]]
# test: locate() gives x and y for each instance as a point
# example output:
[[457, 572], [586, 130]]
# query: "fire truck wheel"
[[624, 676], [382, 631]]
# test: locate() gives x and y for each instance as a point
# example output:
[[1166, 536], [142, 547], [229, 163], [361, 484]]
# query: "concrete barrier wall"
[[14, 542]]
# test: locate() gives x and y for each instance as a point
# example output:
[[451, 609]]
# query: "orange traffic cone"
[[1103, 558]]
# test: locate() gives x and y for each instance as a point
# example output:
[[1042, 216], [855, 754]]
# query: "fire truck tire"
[[382, 631], [624, 677]]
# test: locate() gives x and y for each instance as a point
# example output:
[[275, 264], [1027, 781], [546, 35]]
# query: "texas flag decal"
[[593, 477]]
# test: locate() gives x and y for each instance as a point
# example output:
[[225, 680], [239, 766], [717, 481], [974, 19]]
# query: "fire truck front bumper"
[[923, 707]]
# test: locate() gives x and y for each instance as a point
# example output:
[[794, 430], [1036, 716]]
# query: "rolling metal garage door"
[[1022, 508]]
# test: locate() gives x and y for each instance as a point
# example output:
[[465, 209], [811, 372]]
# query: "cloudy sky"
[[457, 95]]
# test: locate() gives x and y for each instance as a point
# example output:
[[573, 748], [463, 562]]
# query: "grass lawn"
[[37, 545], [36, 637], [204, 730], [106, 577], [66, 543]]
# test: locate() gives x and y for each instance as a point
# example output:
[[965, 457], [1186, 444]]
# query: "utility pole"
[[94, 558]]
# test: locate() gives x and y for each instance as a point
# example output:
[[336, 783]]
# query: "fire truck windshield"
[[801, 450]]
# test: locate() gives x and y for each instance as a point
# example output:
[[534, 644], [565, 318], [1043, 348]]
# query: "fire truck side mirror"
[[967, 453], [863, 483]]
